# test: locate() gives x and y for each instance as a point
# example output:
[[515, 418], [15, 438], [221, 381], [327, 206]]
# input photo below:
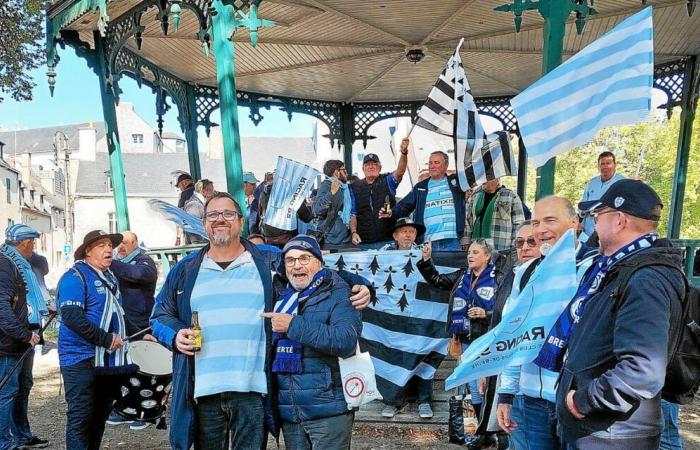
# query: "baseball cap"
[[631, 197], [248, 177], [370, 157], [183, 177]]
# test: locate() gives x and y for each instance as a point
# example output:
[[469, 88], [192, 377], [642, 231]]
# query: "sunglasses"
[[520, 242]]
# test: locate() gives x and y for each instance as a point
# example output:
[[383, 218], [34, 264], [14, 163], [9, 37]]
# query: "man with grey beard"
[[229, 284]]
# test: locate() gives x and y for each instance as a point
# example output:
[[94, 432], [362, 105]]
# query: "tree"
[[21, 32]]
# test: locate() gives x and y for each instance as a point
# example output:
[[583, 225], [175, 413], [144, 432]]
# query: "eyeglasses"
[[228, 215], [303, 260], [596, 214], [520, 242]]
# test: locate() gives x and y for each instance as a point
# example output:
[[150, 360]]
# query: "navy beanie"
[[303, 242]]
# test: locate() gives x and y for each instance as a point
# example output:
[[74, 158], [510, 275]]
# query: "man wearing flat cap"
[[611, 344], [90, 339], [21, 307], [369, 195]]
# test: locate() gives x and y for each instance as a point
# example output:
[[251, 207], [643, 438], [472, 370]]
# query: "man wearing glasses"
[[313, 326], [222, 393], [332, 206]]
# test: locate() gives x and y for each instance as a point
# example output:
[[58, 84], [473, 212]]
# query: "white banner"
[[292, 184]]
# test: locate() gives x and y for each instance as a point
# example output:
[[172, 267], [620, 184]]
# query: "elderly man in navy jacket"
[[314, 324]]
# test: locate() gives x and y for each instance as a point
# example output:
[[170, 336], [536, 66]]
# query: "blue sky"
[[77, 99]]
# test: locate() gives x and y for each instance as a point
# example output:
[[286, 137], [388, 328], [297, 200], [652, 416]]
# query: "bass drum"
[[144, 394]]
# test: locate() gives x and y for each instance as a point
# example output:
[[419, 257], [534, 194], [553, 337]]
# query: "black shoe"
[[483, 441], [35, 442], [502, 441]]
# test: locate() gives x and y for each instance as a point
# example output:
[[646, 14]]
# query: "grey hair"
[[444, 156], [568, 206], [526, 223], [486, 244]]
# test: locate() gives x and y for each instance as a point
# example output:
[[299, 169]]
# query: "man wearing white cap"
[[21, 308]]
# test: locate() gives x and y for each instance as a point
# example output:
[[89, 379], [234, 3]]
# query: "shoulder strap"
[[624, 272]]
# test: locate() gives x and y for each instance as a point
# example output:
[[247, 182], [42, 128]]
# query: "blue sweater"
[[137, 283]]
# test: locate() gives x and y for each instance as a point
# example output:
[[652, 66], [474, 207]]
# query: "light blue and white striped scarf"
[[36, 303]]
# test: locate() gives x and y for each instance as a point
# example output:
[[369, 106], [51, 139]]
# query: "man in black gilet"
[[369, 196]]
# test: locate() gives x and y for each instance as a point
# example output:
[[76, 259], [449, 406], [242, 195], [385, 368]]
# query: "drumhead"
[[151, 357]]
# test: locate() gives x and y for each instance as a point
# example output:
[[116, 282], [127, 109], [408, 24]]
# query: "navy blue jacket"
[[616, 361], [337, 232], [172, 313], [414, 203], [328, 327], [137, 283], [14, 324]]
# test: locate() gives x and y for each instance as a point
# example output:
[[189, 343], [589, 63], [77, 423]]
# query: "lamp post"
[[61, 143]]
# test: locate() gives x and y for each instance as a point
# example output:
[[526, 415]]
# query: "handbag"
[[455, 347], [359, 381]]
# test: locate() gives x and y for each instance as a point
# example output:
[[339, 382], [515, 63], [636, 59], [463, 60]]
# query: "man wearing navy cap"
[[616, 337], [369, 195], [21, 304]]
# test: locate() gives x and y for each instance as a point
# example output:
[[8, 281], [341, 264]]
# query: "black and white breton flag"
[[450, 110], [403, 329]]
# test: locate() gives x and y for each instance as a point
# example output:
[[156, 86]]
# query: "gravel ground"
[[47, 419]]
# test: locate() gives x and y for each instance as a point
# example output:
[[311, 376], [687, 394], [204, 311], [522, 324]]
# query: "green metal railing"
[[167, 257]]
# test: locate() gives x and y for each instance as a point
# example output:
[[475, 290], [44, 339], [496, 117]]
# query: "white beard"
[[545, 248]]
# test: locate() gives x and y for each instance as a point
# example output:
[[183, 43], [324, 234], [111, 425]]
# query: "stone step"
[[372, 413]]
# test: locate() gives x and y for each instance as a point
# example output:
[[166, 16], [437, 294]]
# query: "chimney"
[[87, 143]]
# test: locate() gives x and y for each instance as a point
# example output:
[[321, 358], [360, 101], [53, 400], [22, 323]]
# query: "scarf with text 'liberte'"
[[287, 351], [470, 293]]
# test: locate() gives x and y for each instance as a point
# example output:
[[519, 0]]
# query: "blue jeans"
[[447, 245], [476, 397], [518, 437], [670, 436], [89, 399], [230, 420], [8, 395], [329, 433], [598, 443], [539, 424]]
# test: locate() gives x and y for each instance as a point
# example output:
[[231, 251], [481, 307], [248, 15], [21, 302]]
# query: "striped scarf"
[[466, 296], [36, 303], [288, 352], [108, 362], [551, 356]]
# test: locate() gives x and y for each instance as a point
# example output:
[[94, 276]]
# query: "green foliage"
[[21, 31], [643, 151]]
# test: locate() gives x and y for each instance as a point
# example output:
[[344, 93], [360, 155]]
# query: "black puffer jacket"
[[14, 323]]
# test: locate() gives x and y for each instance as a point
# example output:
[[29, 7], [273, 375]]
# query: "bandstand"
[[349, 63]]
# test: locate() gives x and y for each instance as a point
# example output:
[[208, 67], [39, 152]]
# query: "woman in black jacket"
[[472, 297]]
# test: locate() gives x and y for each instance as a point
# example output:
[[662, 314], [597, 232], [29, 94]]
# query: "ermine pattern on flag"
[[403, 329], [451, 110], [607, 83], [292, 184]]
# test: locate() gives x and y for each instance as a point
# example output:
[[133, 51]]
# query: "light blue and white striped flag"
[[525, 325], [292, 184], [607, 83]]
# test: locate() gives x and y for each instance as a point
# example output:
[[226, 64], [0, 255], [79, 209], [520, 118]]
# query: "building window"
[[112, 222], [8, 187], [109, 184], [137, 138]]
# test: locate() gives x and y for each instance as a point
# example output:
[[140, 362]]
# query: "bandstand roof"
[[354, 50]]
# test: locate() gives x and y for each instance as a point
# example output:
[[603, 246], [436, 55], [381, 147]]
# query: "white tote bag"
[[359, 383]]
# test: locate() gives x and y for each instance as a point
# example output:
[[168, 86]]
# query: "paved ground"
[[47, 418]]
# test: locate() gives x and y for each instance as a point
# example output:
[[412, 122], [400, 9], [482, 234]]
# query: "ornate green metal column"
[[691, 91], [116, 167], [191, 134], [348, 126], [555, 14], [225, 20]]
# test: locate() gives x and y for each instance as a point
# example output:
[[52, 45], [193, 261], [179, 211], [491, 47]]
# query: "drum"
[[144, 393]]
